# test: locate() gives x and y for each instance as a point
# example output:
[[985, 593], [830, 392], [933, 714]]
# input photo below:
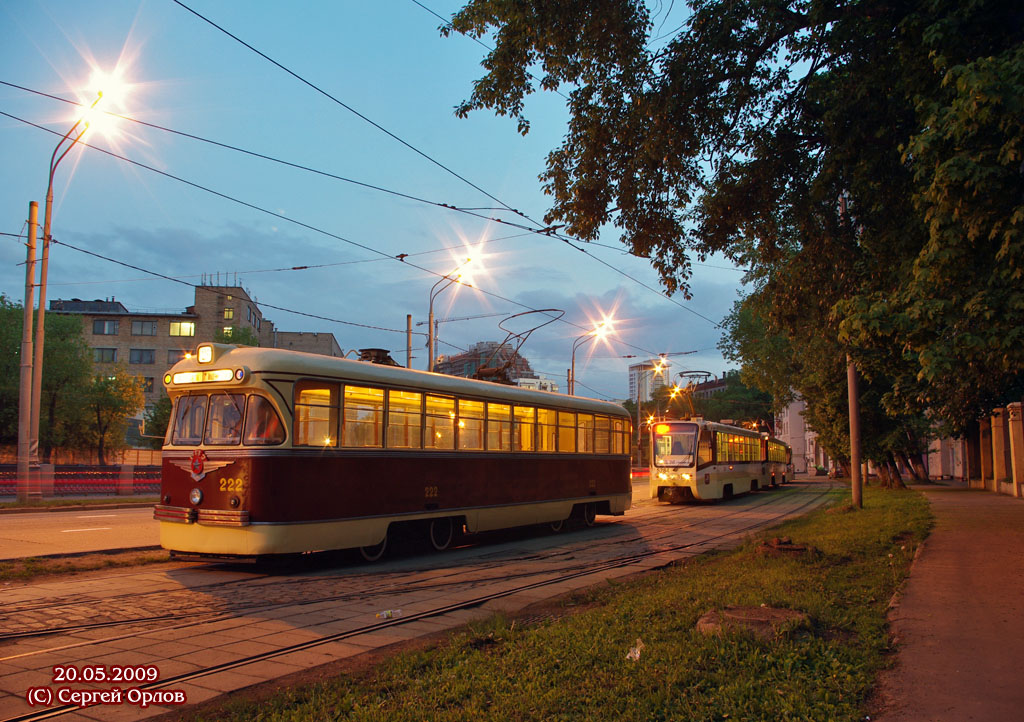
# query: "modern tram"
[[271, 451], [698, 460]]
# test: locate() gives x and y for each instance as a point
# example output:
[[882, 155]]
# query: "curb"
[[77, 507]]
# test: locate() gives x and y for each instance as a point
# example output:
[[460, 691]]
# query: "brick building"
[[148, 343], [481, 354]]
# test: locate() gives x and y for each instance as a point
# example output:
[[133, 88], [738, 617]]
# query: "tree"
[[67, 367], [862, 159], [156, 418], [111, 399], [239, 336]]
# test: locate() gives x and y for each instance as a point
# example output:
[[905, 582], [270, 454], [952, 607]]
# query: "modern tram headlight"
[[663, 476], [687, 477], [195, 496]]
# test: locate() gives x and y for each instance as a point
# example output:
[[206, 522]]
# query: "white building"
[[791, 428], [648, 376], [539, 383]]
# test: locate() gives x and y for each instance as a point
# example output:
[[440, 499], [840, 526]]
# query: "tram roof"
[[264, 361]]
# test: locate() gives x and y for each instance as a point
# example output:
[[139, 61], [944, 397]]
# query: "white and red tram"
[[277, 452], [697, 459]]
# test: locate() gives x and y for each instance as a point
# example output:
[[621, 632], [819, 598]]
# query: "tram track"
[[297, 588], [565, 574]]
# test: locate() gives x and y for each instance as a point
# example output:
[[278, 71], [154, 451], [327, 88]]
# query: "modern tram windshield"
[[674, 444]]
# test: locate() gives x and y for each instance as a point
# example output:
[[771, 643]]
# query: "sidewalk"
[[959, 625]]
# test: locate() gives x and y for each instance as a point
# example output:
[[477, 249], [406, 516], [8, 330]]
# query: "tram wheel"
[[557, 526], [590, 514], [441, 533], [375, 552]]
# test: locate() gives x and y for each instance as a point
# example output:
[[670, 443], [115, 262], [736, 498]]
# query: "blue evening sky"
[[384, 60]]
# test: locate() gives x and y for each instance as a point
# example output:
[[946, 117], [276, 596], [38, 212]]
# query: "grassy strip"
[[577, 667], [23, 570], [51, 503]]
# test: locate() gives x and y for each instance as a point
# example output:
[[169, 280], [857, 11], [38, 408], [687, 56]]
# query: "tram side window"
[[405, 416], [188, 422], [547, 429], [566, 432], [316, 413], [585, 433], [364, 417], [263, 426], [602, 435], [619, 429], [224, 427], [525, 429], [705, 443], [499, 427], [471, 425], [440, 423]]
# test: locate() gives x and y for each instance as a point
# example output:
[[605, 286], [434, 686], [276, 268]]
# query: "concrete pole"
[[37, 365], [408, 340], [24, 483], [851, 388], [430, 336]]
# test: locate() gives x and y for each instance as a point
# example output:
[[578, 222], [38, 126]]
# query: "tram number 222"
[[231, 484], [431, 492]]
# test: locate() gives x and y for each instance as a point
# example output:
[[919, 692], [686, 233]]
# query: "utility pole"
[[24, 482], [408, 340], [851, 388]]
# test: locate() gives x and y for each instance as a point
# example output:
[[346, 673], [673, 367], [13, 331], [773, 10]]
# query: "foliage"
[[67, 367], [861, 159], [156, 418], [575, 667], [238, 335], [111, 398]]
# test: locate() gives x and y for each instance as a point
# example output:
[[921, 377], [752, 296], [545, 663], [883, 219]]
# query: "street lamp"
[[657, 367], [599, 331], [59, 153], [451, 277]]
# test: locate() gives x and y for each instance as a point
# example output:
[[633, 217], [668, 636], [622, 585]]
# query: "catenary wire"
[[541, 227]]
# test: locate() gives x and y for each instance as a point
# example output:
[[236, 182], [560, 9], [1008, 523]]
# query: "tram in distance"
[[697, 460], [271, 451]]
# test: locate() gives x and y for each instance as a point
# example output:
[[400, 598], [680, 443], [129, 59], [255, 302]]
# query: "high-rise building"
[[647, 376]]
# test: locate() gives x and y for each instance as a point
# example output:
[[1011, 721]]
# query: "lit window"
[[364, 414], [405, 415], [525, 428], [440, 423], [229, 313], [499, 427], [471, 425], [183, 328], [566, 432], [316, 414], [547, 430]]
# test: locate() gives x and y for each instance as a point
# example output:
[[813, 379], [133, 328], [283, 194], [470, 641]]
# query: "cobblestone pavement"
[[188, 619]]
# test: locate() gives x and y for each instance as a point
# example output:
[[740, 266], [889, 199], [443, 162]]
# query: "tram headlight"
[[195, 496], [663, 476]]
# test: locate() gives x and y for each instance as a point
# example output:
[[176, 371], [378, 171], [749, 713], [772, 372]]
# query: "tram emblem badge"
[[199, 465]]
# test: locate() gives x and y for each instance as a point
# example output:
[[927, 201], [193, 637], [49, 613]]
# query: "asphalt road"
[[74, 532]]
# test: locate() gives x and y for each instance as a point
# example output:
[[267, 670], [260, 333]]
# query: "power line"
[[563, 238]]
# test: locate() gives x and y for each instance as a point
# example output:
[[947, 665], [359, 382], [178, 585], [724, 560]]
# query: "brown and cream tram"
[[277, 452], [698, 459]]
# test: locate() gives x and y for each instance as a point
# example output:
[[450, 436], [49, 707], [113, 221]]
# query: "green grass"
[[30, 568], [576, 668], [51, 503]]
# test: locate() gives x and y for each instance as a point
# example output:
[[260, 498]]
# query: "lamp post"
[[437, 288], [599, 331], [657, 367]]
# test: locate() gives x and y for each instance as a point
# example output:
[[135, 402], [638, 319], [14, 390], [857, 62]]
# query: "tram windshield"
[[674, 444]]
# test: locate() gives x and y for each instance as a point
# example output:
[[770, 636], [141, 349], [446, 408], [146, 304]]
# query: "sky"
[[373, 103]]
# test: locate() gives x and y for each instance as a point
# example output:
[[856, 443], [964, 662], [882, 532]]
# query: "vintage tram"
[[697, 460], [271, 451]]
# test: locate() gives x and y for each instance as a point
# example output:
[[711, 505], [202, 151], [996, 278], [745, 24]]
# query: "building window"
[[147, 384], [143, 328], [104, 355], [227, 331], [229, 313], [175, 355], [105, 328], [183, 328], [142, 356]]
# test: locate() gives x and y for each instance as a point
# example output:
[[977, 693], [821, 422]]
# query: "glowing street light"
[[456, 275], [659, 366], [601, 331], [30, 397]]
